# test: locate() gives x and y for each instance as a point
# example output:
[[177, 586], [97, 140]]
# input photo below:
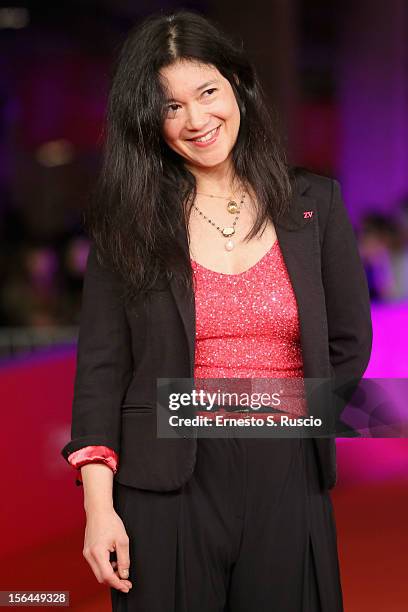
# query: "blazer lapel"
[[299, 242], [186, 307]]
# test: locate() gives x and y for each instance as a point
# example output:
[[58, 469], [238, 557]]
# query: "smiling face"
[[202, 117]]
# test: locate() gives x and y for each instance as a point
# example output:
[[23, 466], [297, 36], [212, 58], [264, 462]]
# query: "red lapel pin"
[[308, 214]]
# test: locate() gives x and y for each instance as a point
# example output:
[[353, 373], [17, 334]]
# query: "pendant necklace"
[[227, 231], [232, 206]]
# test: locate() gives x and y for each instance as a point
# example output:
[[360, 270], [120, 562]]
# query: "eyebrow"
[[206, 84]]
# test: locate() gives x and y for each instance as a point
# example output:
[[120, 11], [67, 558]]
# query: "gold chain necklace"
[[227, 231], [232, 206]]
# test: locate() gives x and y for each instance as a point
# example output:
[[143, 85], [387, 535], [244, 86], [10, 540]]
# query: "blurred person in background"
[[31, 293], [74, 257], [210, 258], [402, 256], [385, 256]]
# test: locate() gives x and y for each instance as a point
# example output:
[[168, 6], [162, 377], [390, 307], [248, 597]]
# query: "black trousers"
[[251, 531]]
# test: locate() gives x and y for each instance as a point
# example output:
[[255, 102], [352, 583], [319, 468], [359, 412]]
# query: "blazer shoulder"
[[311, 184], [310, 191], [100, 265]]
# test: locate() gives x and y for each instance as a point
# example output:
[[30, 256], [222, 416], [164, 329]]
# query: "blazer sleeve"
[[104, 361], [347, 296]]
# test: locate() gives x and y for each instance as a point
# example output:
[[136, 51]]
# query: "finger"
[[114, 565], [122, 555], [95, 568], [93, 559], [106, 572], [127, 582]]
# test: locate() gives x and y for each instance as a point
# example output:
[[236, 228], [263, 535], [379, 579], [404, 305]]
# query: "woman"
[[210, 258]]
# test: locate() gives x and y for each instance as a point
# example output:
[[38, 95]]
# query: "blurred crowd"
[[383, 243], [41, 272], [42, 276]]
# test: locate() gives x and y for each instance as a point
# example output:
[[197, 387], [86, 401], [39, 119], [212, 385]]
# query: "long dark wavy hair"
[[137, 211]]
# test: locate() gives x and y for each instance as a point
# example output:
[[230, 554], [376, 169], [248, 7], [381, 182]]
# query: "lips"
[[210, 137]]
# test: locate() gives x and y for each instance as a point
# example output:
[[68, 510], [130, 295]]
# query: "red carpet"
[[43, 520]]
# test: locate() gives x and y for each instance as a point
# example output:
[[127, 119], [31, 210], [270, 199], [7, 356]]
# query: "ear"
[[236, 79]]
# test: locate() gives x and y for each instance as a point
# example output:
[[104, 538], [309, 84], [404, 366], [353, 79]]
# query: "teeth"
[[206, 137]]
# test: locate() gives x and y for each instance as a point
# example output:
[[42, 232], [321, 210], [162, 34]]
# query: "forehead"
[[184, 77]]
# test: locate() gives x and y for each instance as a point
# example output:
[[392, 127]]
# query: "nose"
[[196, 118]]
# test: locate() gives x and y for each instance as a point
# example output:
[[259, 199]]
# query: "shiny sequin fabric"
[[247, 324]]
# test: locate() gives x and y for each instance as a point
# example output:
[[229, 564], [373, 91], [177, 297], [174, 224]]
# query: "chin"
[[211, 162]]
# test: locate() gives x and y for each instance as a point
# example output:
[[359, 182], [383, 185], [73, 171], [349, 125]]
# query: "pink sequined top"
[[247, 324], [246, 327]]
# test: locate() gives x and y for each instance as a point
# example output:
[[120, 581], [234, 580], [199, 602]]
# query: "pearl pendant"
[[229, 245]]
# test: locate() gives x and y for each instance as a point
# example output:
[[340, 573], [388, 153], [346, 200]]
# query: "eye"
[[170, 111], [210, 90]]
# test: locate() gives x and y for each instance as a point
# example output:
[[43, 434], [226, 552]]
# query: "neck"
[[218, 180]]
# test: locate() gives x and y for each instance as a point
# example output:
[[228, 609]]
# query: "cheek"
[[237, 112], [170, 131], [232, 110], [234, 116]]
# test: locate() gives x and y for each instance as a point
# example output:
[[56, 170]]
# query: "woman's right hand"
[[105, 533]]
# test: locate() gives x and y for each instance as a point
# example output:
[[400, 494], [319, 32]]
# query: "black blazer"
[[122, 350]]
